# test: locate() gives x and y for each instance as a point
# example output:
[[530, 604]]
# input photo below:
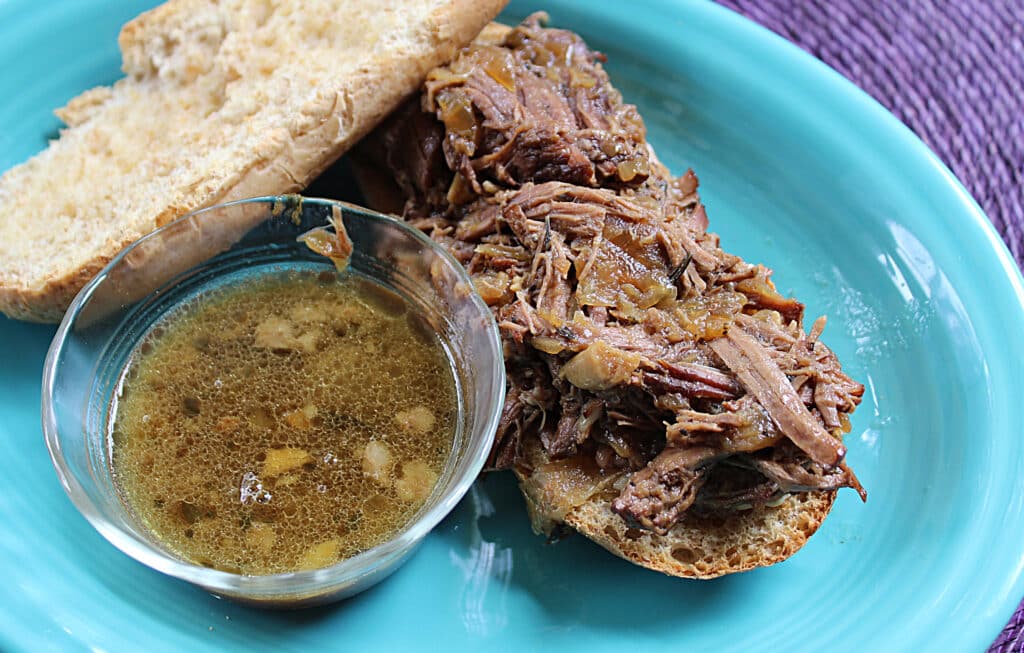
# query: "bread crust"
[[711, 546], [48, 302], [284, 162]]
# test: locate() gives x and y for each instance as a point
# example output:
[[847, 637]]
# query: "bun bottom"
[[702, 546], [712, 546]]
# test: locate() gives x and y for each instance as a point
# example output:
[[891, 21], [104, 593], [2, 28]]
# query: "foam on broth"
[[284, 423]]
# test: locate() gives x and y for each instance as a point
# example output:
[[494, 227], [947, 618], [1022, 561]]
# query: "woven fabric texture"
[[951, 70]]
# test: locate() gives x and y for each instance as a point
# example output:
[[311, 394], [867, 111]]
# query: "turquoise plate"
[[798, 169]]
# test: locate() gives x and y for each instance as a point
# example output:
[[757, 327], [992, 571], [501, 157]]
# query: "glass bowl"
[[110, 316]]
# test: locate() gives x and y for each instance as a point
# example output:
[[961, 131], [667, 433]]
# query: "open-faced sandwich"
[[663, 399]]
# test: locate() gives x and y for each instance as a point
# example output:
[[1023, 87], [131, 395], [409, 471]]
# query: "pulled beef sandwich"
[[663, 399]]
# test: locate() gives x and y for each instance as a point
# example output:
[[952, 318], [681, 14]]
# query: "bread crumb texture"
[[712, 546], [219, 101]]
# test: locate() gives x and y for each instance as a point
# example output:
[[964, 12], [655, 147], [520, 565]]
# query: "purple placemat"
[[953, 71]]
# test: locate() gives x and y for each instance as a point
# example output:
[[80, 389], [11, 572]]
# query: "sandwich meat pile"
[[663, 398]]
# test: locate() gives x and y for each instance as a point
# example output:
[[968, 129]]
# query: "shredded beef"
[[630, 335], [762, 378], [661, 492]]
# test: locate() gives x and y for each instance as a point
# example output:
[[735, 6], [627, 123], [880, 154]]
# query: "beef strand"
[[759, 374], [660, 493]]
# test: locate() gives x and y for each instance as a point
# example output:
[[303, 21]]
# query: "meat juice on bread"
[[663, 398]]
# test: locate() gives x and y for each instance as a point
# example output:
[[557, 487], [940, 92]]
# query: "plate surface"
[[800, 170]]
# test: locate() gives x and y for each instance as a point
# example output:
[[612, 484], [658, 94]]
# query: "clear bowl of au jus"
[[162, 448]]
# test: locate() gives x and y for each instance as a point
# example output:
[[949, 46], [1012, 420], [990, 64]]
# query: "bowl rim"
[[305, 583]]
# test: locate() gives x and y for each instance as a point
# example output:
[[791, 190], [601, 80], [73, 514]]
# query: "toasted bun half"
[[220, 101], [708, 547], [573, 492]]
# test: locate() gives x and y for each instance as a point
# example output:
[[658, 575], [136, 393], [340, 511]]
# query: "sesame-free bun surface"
[[219, 101]]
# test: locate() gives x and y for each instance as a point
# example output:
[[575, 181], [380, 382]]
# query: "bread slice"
[[707, 546], [220, 100], [574, 492]]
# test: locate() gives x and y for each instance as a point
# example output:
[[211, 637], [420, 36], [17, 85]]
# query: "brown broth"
[[283, 424]]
